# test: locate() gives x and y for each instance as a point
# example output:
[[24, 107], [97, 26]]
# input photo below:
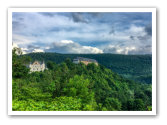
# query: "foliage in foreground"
[[72, 87]]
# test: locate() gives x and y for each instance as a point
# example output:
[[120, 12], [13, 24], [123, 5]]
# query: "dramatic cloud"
[[112, 31], [48, 14], [78, 17], [68, 46], [33, 47], [131, 37], [148, 29], [38, 51], [134, 40], [94, 32], [119, 50], [29, 49], [128, 49]]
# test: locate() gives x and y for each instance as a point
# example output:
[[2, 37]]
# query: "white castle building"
[[37, 66]]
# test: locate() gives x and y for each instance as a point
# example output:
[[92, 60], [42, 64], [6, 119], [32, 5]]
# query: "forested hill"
[[75, 87], [133, 67]]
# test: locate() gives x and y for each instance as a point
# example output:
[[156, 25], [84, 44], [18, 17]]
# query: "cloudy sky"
[[76, 32]]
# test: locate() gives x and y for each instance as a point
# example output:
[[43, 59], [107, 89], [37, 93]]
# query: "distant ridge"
[[134, 67]]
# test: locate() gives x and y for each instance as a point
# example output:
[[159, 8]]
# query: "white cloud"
[[22, 40], [135, 29], [35, 28], [26, 50], [23, 50], [89, 49], [69, 46], [66, 41], [119, 50], [14, 45], [38, 51], [131, 49]]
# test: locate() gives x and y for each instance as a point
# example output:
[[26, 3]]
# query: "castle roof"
[[86, 59], [37, 63]]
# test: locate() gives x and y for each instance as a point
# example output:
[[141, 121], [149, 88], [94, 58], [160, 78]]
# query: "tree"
[[51, 65], [78, 87], [19, 69], [69, 86], [69, 63], [130, 105], [92, 67], [112, 104], [138, 105]]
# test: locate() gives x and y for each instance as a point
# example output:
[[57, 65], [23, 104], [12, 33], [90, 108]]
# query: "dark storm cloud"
[[85, 17], [110, 50], [21, 19], [49, 14], [148, 46], [17, 25], [131, 37], [95, 14], [55, 47], [33, 47], [78, 17], [148, 29], [142, 38], [88, 30], [142, 50], [55, 29], [129, 50], [112, 31]]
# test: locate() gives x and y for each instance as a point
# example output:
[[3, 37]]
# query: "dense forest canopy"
[[66, 86], [133, 67]]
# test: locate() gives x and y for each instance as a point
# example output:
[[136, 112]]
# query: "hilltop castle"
[[86, 61], [37, 66]]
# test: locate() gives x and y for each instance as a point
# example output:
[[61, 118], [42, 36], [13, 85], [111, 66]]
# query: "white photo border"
[[10, 10]]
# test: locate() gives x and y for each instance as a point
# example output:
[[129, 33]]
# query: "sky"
[[83, 32]]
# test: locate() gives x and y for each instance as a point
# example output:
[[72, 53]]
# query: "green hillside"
[[133, 67], [74, 87]]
